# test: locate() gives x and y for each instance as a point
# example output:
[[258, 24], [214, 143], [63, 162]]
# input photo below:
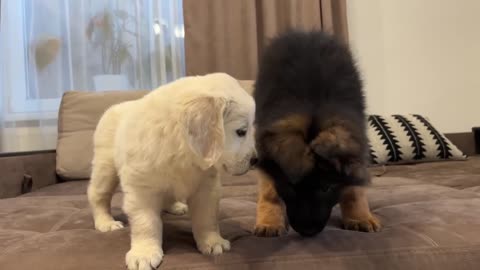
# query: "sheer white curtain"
[[48, 47]]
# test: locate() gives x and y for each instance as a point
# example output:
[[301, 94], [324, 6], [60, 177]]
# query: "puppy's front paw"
[[178, 208], [144, 258], [263, 230], [369, 224], [108, 225], [213, 245]]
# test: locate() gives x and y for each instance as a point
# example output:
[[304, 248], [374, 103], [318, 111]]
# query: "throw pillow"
[[411, 138]]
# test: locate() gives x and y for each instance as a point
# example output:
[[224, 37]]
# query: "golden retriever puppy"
[[171, 146]]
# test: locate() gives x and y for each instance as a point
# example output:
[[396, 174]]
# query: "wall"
[[420, 56]]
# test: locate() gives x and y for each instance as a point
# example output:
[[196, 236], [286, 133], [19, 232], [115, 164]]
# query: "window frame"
[[16, 105]]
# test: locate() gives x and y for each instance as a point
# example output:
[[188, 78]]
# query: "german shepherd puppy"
[[311, 136]]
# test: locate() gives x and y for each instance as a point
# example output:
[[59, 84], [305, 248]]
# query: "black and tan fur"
[[311, 136]]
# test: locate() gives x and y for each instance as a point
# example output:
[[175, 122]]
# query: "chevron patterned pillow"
[[396, 139]]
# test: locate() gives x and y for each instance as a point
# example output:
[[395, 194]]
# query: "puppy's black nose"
[[253, 161]]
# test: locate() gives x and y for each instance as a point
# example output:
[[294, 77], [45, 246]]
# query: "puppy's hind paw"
[[178, 209], [335, 144], [213, 245], [108, 225]]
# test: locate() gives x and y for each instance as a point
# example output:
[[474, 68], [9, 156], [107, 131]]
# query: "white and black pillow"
[[408, 139]]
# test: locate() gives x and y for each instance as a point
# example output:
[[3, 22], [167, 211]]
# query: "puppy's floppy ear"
[[203, 128]]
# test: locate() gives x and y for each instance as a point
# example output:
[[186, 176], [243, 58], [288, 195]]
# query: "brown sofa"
[[431, 214]]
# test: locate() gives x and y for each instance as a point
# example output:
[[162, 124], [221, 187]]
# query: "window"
[[48, 47], [53, 46]]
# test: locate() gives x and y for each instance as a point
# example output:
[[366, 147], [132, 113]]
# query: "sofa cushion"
[[79, 114], [454, 174], [427, 226]]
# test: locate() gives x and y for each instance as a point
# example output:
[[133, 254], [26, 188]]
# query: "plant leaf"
[[122, 14], [123, 54], [46, 49]]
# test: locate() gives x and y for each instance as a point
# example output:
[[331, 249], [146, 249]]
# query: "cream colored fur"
[[166, 147]]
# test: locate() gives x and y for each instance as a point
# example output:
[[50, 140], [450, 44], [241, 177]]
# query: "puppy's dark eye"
[[241, 132]]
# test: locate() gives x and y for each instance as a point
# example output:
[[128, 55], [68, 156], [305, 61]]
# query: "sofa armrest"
[[465, 141], [24, 172]]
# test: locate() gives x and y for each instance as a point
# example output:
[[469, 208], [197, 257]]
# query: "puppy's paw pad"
[[214, 245], [262, 230], [370, 224], [143, 259], [109, 226], [178, 208]]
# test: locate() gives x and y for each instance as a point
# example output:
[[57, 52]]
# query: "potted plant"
[[107, 31]]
